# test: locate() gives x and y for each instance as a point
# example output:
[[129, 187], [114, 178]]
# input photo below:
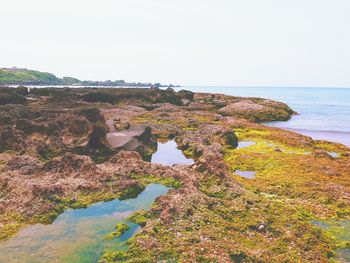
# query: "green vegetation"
[[212, 216], [146, 179], [120, 229], [279, 208], [18, 76], [295, 175], [234, 224], [292, 172], [24, 76], [139, 217], [339, 229], [9, 230], [12, 222], [82, 200]]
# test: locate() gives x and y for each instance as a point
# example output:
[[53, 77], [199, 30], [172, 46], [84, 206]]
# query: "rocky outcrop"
[[131, 139], [10, 113], [50, 130], [118, 119], [69, 153], [24, 164], [11, 139], [70, 163], [255, 111], [136, 96], [10, 96]]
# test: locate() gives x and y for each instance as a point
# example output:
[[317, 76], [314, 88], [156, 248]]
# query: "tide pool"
[[78, 235], [168, 154]]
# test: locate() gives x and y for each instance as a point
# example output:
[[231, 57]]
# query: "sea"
[[323, 113]]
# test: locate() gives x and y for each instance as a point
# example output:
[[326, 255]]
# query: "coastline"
[[211, 206], [342, 137], [320, 108], [332, 136]]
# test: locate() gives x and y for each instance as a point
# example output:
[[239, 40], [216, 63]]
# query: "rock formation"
[[73, 147]]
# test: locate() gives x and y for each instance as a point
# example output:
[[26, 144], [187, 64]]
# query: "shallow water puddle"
[[246, 174], [168, 154], [341, 231], [78, 235], [333, 154], [244, 144]]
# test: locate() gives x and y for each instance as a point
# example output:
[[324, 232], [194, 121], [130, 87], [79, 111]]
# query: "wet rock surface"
[[73, 147]]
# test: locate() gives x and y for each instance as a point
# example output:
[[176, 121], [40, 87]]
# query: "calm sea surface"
[[324, 113]]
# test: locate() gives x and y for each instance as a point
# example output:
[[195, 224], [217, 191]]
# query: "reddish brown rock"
[[254, 111]]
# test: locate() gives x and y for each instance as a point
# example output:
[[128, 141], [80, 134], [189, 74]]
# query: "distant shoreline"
[[26, 77], [84, 87], [261, 87]]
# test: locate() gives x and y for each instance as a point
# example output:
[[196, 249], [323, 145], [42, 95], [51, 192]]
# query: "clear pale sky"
[[187, 42]]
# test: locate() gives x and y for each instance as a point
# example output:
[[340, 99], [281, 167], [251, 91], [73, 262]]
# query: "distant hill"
[[22, 76]]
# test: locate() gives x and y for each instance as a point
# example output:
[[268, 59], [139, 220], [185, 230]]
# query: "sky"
[[185, 42]]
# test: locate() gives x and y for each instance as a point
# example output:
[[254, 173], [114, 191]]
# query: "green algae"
[[287, 172], [292, 177], [274, 220], [9, 230], [235, 223], [146, 179], [139, 217], [78, 235], [14, 222], [120, 229], [331, 147], [113, 256], [337, 229], [211, 187]]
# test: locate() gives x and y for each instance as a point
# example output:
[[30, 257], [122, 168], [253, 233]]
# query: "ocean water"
[[324, 113]]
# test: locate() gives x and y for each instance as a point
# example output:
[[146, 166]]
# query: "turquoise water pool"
[[78, 235]]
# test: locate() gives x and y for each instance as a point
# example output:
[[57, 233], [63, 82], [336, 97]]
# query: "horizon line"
[[266, 86]]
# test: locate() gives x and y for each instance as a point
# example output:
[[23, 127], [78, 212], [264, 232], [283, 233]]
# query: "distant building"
[[14, 68]]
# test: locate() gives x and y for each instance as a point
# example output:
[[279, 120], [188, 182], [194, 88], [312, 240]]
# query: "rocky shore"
[[68, 148]]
